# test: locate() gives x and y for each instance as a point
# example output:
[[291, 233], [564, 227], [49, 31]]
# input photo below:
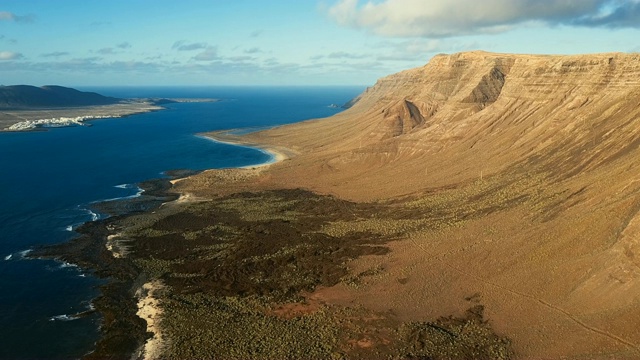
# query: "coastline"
[[424, 236], [33, 119], [277, 154], [100, 249], [149, 304], [158, 239], [103, 249], [188, 272], [18, 120]]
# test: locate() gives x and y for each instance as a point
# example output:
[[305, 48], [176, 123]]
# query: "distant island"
[[26, 107], [27, 97]]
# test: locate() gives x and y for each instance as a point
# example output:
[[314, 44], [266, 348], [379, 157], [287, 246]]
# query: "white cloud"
[[55, 54], [10, 55], [106, 51], [211, 53], [240, 58], [9, 16], [444, 18], [182, 45], [619, 14], [346, 55], [419, 50], [253, 50]]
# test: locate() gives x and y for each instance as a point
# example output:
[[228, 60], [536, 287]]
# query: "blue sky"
[[287, 42]]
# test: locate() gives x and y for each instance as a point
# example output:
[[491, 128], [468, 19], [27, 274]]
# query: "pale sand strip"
[[149, 309], [225, 137], [276, 154], [115, 245]]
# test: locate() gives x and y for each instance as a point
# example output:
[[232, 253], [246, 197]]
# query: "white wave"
[[63, 317], [137, 194], [65, 265], [124, 186], [94, 216], [69, 228], [20, 255], [82, 275], [53, 122]]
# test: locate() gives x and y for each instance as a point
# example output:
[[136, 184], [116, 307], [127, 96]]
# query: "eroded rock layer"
[[533, 158]]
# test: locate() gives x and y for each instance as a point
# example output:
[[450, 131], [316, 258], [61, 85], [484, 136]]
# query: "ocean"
[[49, 180]]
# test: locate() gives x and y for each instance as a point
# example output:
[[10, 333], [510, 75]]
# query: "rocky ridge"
[[534, 158]]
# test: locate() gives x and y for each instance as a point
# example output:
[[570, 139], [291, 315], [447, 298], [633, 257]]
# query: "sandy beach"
[[277, 153], [150, 310]]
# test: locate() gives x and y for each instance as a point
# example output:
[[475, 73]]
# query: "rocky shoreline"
[[238, 275], [123, 331]]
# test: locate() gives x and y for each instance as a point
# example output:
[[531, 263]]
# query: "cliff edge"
[[527, 163]]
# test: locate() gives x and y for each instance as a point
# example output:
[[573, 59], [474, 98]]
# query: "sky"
[[287, 42]]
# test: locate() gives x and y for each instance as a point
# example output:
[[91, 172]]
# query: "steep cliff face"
[[489, 111], [536, 157]]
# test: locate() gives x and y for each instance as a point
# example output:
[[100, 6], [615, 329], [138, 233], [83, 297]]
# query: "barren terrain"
[[482, 206], [533, 158]]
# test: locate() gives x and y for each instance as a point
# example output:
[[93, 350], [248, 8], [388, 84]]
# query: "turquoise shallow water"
[[48, 179]]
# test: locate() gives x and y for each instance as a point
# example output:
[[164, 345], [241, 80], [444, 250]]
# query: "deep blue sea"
[[48, 180]]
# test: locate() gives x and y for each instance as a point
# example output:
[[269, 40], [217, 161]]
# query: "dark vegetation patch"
[[229, 264], [232, 261], [255, 244], [468, 337]]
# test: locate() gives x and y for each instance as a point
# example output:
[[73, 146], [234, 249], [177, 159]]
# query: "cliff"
[[470, 113], [531, 160]]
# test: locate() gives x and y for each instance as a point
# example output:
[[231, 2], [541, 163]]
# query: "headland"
[[24, 108]]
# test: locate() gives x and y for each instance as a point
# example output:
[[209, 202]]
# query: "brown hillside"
[[534, 162]]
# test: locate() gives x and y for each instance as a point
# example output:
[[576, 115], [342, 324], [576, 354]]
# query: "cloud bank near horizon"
[[9, 16], [449, 18]]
